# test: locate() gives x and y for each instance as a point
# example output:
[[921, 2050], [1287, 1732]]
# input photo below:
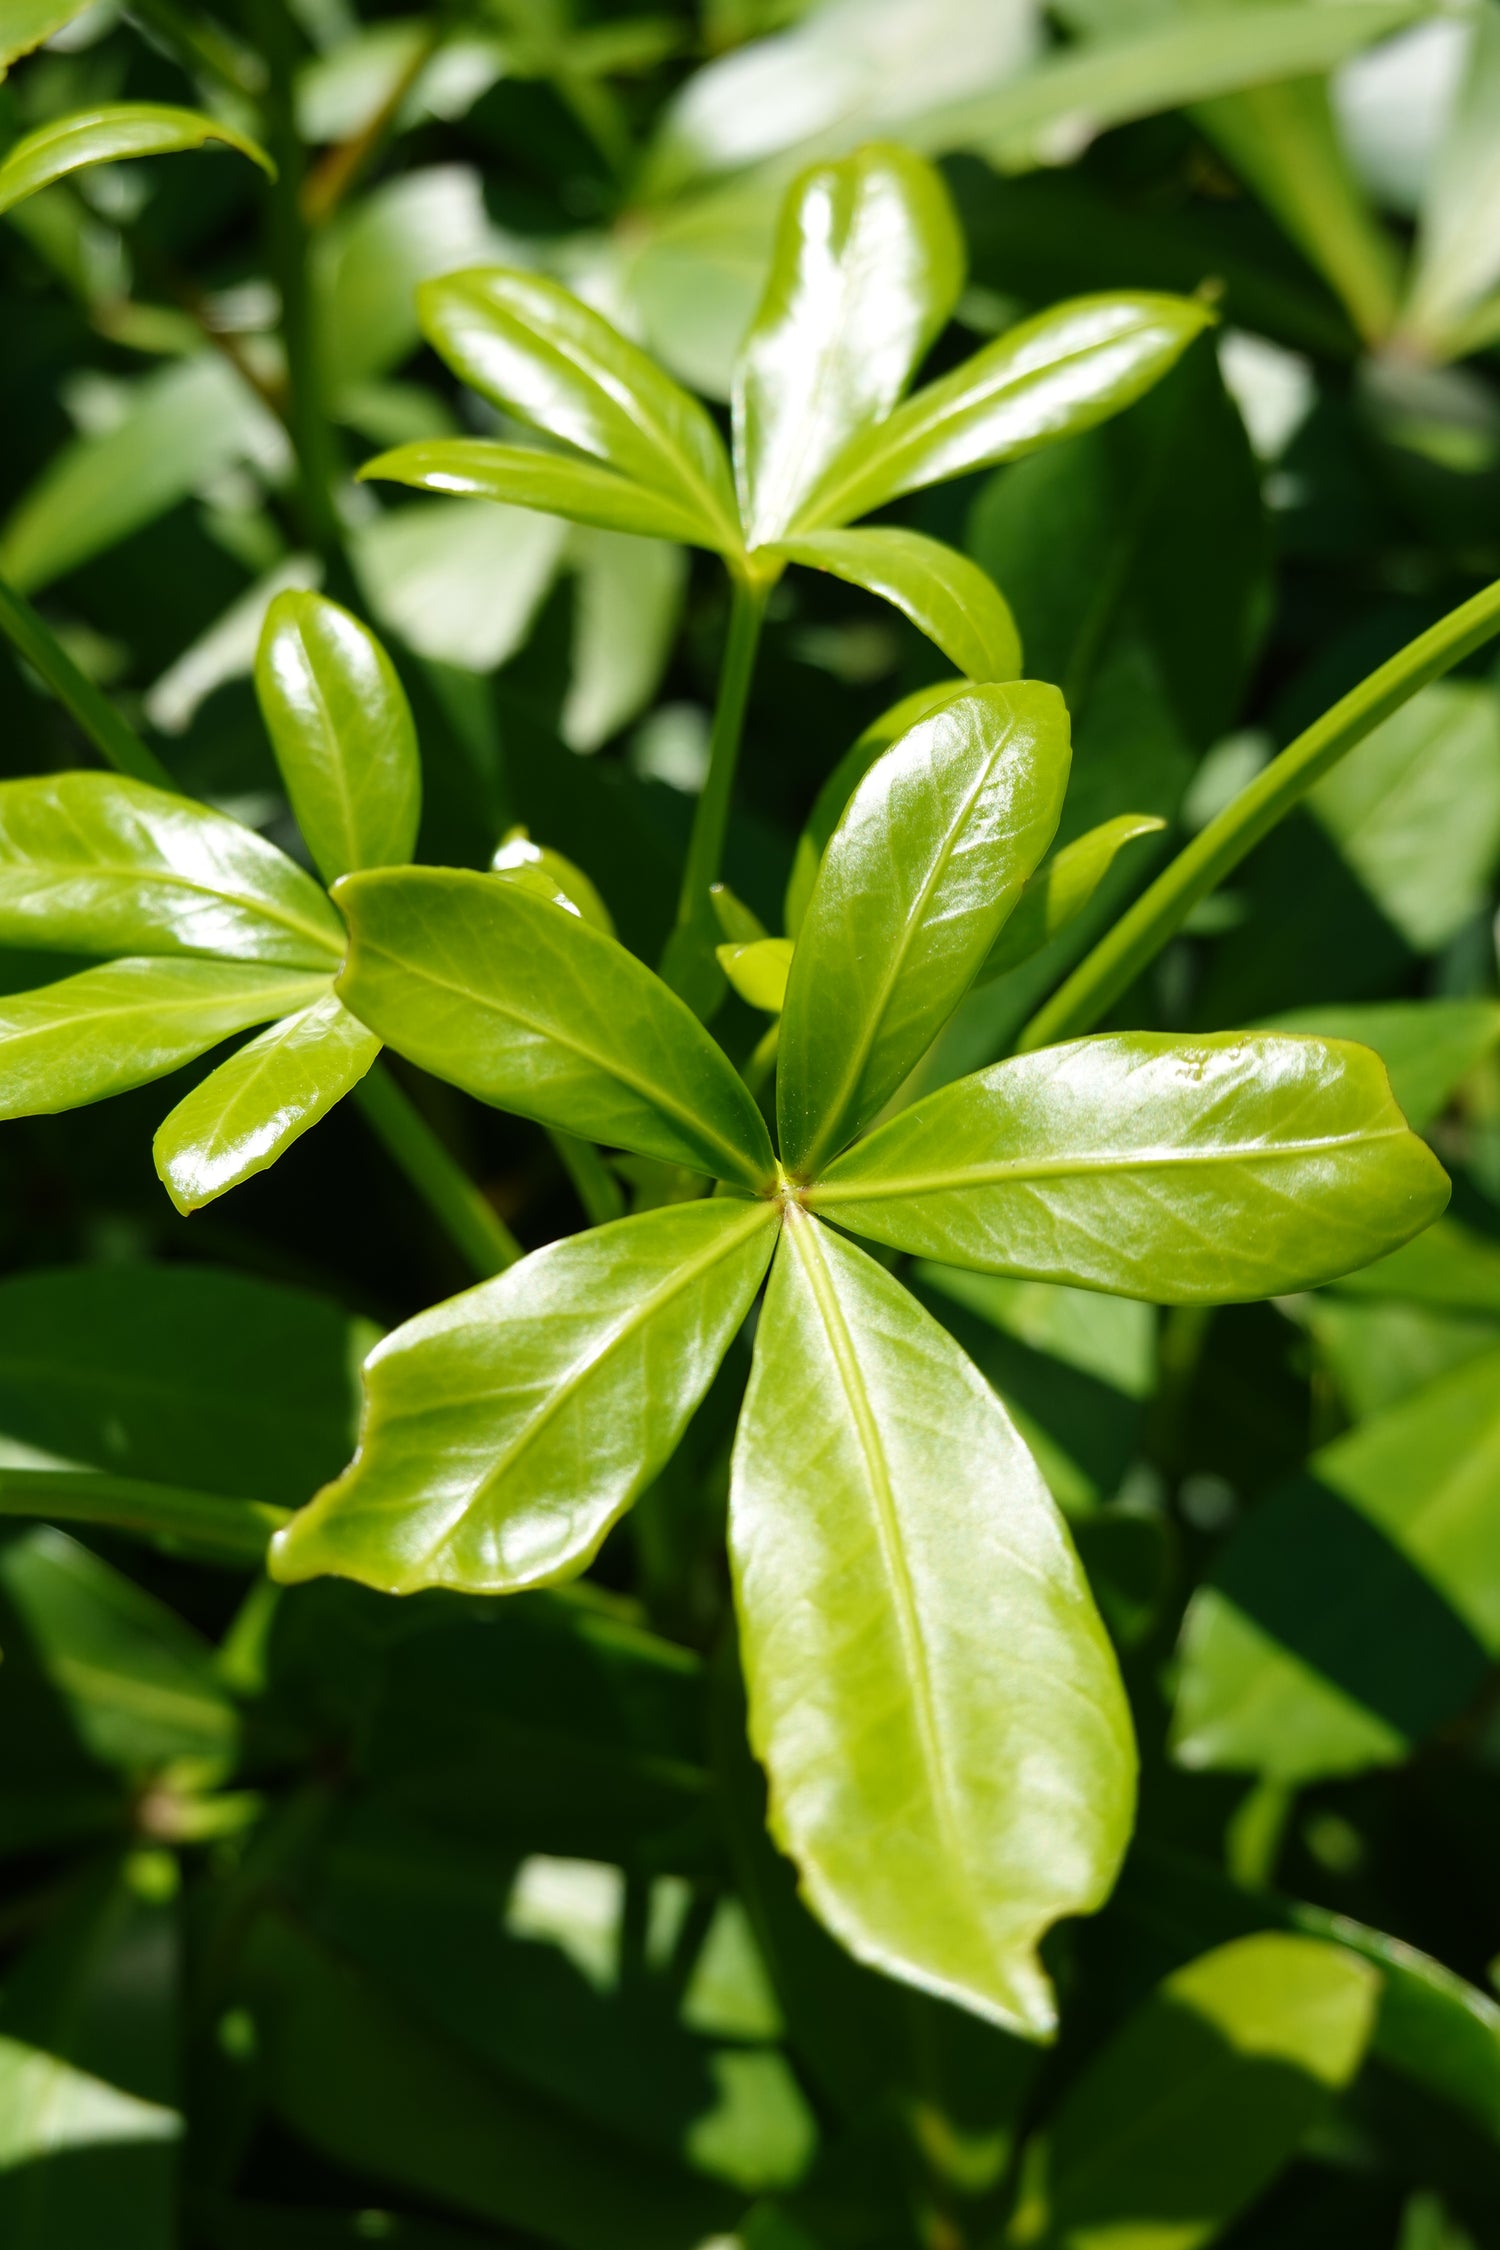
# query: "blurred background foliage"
[[328, 1919]]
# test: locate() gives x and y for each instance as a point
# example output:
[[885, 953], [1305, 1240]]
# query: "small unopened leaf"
[[758, 971], [248, 1112], [108, 135], [1185, 1171], [521, 1002], [506, 1430], [931, 1691], [342, 731], [947, 597]]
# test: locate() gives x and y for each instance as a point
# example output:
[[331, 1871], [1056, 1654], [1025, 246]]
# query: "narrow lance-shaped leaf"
[[536, 350], [1061, 888], [947, 597], [525, 477], [248, 1112], [1185, 1171], [120, 1025], [98, 863], [916, 882], [931, 1691], [506, 1430], [1058, 373], [342, 731], [758, 971], [1192, 2109], [867, 266], [108, 135], [521, 1002]]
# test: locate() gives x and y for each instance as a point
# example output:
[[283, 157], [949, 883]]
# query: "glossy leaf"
[[1058, 373], [947, 597], [924, 867], [516, 852], [342, 731], [127, 1022], [106, 136], [1197, 2103], [1428, 1046], [524, 476], [247, 1113], [1062, 887], [544, 356], [506, 1430], [931, 1691], [89, 2115], [867, 266], [758, 971], [522, 1003], [97, 863], [1197, 1171], [1393, 1618]]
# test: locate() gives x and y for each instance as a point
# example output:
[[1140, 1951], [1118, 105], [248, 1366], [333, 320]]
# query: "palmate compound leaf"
[[248, 1112], [126, 1022], [931, 1691], [506, 1430], [98, 863], [342, 731], [537, 351], [522, 1003], [920, 874], [868, 264], [947, 597], [1186, 1171]]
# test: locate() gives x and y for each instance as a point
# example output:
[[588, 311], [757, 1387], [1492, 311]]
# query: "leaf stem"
[[1139, 935], [472, 1224], [688, 965], [204, 1523], [117, 743]]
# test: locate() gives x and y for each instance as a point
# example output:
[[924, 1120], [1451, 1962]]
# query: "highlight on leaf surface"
[[1186, 1171], [947, 597], [108, 135], [931, 1690], [506, 1430], [1061, 888]]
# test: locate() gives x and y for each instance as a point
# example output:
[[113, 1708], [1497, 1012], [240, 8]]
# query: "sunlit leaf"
[[947, 597], [524, 476], [1062, 887], [108, 135]]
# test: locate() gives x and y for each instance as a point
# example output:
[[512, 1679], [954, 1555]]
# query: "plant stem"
[[203, 1523], [688, 964], [117, 743], [1139, 935], [594, 1183], [473, 1225]]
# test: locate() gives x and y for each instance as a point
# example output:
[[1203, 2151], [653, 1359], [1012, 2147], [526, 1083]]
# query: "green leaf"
[[28, 23], [1200, 1171], [924, 867], [139, 1684], [523, 1004], [1060, 372], [1392, 1619], [182, 1373], [627, 607], [946, 596], [1450, 1265], [867, 266], [542, 355], [342, 731], [202, 1525], [106, 136], [98, 863], [516, 853], [1455, 264], [1062, 887], [248, 1112], [524, 476], [1197, 2103], [931, 1691], [121, 1025], [89, 2117], [1428, 1046], [507, 1430], [758, 971]]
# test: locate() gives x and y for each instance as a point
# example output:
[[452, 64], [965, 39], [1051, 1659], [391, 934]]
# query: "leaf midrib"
[[148, 878]]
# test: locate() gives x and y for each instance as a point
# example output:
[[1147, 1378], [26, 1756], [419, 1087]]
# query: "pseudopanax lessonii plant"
[[931, 1690]]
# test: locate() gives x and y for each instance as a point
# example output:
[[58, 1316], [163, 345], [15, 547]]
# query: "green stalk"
[[474, 1226], [688, 964], [117, 743], [594, 1183], [203, 1523], [1160, 911]]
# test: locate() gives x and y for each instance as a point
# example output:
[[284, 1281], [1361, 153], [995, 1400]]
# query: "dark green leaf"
[[505, 1431], [924, 867], [1184, 1171], [525, 1005]]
